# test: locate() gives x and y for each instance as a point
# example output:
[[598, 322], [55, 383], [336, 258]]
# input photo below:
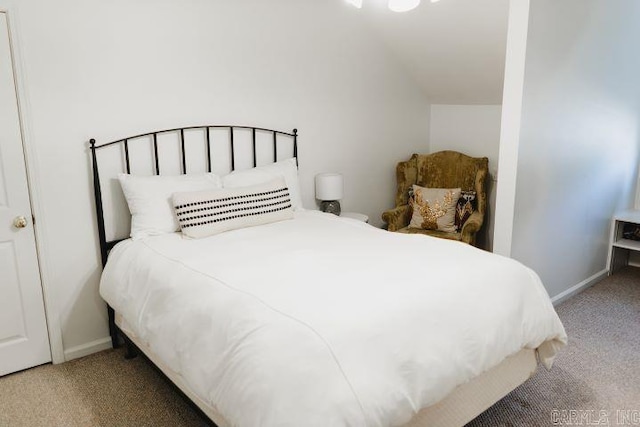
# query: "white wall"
[[579, 142], [510, 125], [455, 49], [112, 69], [475, 131]]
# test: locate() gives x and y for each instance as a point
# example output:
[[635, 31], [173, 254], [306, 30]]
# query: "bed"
[[308, 320]]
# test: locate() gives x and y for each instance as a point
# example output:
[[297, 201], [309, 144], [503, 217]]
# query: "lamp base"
[[330, 206]]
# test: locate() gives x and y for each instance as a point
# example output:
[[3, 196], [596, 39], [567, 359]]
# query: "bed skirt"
[[466, 402]]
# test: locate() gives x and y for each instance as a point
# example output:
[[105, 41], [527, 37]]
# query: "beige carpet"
[[103, 389], [600, 370]]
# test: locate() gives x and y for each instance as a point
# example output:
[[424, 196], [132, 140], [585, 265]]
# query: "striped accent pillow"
[[205, 213]]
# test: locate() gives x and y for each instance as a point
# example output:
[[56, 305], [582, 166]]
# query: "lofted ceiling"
[[454, 49]]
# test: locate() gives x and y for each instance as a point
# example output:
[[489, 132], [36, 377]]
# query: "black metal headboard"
[[124, 143]]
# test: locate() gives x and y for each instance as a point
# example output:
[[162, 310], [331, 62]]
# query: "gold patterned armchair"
[[445, 169]]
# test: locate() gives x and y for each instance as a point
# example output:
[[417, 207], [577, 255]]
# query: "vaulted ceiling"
[[454, 49]]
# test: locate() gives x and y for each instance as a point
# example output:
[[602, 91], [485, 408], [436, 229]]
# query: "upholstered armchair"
[[445, 169]]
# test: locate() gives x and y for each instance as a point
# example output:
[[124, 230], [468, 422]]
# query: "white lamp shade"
[[329, 186], [403, 5]]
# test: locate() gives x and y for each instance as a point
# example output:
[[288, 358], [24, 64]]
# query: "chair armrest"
[[397, 218], [471, 226]]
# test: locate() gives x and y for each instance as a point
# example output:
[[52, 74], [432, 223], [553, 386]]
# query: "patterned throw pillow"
[[205, 213], [434, 208], [464, 208]]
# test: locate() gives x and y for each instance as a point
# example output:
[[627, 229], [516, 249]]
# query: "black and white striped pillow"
[[205, 213]]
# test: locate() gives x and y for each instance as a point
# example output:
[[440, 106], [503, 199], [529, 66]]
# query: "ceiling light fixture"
[[403, 5], [394, 5]]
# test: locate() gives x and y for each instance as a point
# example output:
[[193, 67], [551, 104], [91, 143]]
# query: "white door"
[[23, 329]]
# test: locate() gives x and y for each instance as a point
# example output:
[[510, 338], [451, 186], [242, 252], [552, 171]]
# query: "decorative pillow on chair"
[[434, 208], [205, 213], [464, 208]]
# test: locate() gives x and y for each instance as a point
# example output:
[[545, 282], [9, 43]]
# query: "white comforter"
[[323, 321]]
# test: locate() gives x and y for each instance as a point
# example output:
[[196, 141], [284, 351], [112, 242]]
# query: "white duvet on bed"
[[324, 321]]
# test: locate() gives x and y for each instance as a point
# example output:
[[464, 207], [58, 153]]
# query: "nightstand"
[[356, 216]]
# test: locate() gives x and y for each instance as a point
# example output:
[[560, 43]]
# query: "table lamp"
[[329, 190]]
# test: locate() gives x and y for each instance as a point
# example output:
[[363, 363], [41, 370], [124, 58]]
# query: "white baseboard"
[[87, 349], [562, 296]]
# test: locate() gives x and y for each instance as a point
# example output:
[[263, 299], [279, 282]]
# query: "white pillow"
[[261, 174], [149, 199], [205, 213]]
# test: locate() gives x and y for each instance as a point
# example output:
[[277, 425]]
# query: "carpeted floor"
[[598, 371], [103, 389]]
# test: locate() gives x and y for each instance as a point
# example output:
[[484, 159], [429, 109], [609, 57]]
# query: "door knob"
[[20, 222]]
